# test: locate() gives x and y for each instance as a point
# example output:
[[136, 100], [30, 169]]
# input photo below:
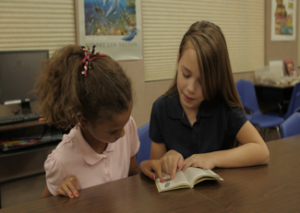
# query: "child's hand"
[[204, 161], [148, 166], [69, 187], [171, 162]]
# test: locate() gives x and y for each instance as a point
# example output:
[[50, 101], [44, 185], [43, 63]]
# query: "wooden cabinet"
[[22, 162]]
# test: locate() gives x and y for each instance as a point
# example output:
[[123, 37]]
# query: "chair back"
[[290, 126], [239, 88], [294, 104], [145, 146], [247, 94]]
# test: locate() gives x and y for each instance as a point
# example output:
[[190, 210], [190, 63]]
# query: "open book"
[[185, 179]]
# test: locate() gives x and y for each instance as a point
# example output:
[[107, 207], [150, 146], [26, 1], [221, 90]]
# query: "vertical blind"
[[165, 22], [36, 24]]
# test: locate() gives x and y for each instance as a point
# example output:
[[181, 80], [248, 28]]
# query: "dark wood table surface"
[[269, 188]]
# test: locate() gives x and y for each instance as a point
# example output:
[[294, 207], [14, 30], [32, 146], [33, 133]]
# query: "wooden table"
[[269, 188]]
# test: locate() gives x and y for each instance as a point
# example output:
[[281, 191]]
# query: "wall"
[[279, 50], [145, 93]]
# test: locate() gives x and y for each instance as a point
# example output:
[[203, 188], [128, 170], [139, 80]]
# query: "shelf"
[[29, 149], [21, 125], [51, 136]]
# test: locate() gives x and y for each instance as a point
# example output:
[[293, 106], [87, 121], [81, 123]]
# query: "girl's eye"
[[113, 133], [185, 75]]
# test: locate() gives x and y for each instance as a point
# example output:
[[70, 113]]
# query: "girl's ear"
[[83, 122]]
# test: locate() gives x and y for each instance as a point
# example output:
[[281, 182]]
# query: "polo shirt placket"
[[106, 167]]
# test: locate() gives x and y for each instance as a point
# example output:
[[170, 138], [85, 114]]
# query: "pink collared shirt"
[[74, 156]]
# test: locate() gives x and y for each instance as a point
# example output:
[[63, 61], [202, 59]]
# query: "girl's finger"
[[147, 169], [165, 168], [148, 173], [72, 188], [76, 182], [173, 170], [61, 192], [67, 191], [185, 164], [158, 174], [180, 163], [156, 167]]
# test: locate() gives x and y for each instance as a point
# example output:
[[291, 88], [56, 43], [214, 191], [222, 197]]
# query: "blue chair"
[[249, 117], [145, 146], [248, 98], [294, 104], [290, 126]]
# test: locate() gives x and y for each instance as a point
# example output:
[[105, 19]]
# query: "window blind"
[[165, 22], [36, 24]]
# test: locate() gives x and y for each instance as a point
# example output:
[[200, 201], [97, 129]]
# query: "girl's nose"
[[191, 87]]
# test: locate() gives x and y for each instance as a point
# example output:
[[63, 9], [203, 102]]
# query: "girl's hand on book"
[[172, 162], [69, 187], [148, 166], [203, 161]]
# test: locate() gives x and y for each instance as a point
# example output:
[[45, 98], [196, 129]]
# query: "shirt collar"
[[176, 111], [89, 154]]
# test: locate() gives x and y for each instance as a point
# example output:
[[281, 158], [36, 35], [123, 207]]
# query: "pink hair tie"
[[88, 58]]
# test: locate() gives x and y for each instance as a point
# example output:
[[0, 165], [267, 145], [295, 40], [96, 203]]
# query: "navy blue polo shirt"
[[215, 129]]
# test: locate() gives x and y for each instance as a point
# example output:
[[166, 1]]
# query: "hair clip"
[[88, 58]]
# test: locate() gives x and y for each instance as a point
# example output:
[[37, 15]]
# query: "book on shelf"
[[290, 68], [28, 138], [186, 179]]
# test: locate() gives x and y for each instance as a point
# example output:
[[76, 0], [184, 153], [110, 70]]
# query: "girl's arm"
[[46, 192], [253, 151], [157, 150], [133, 168]]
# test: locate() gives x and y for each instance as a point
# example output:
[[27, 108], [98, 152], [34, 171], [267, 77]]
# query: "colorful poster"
[[283, 20], [114, 26]]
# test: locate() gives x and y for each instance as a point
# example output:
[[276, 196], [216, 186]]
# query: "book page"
[[179, 180], [193, 174]]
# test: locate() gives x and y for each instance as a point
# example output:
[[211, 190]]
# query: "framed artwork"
[[114, 26], [283, 20]]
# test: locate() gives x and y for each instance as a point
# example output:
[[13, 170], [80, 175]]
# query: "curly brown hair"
[[213, 59], [64, 94]]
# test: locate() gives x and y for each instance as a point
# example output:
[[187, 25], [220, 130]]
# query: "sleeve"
[[237, 119], [55, 174], [155, 132], [134, 139]]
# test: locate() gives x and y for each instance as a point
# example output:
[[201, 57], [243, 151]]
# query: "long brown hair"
[[64, 93], [213, 59]]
